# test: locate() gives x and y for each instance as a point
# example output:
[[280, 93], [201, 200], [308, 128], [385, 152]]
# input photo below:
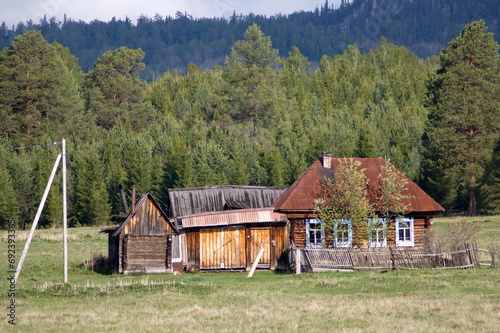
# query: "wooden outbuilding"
[[142, 243], [307, 230], [231, 239], [223, 227]]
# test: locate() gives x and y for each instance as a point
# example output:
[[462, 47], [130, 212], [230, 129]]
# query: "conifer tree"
[[464, 104], [38, 94], [113, 90], [8, 204], [250, 75], [91, 199]]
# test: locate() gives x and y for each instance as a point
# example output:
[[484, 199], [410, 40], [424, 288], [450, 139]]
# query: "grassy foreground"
[[409, 301]]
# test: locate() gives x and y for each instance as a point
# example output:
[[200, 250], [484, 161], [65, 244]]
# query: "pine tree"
[[464, 104], [38, 94], [113, 90], [250, 75]]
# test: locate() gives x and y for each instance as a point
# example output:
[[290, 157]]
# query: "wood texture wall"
[[235, 247], [146, 254], [421, 226], [148, 221]]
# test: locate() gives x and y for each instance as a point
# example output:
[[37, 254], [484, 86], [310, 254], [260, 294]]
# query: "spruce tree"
[[8, 205]]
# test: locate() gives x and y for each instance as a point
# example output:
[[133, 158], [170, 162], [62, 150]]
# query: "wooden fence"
[[390, 258]]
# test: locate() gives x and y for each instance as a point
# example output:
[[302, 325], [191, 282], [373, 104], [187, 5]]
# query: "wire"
[[29, 147]]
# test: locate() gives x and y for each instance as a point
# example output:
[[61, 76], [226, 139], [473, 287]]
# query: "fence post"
[[393, 261], [298, 261]]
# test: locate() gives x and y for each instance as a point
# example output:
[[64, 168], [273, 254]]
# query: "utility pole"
[[37, 217], [65, 212], [40, 210]]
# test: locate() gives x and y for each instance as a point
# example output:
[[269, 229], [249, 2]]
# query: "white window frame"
[[315, 242], [342, 243], [381, 231], [406, 238]]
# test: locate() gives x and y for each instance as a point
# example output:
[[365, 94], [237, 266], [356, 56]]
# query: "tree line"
[[170, 43], [260, 119]]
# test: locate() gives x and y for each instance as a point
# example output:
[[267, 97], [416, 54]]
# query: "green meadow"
[[359, 301]]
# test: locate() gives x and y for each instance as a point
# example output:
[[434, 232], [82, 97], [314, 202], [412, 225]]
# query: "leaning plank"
[[256, 262]]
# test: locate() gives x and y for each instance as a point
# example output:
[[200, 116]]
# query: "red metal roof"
[[300, 196], [231, 217]]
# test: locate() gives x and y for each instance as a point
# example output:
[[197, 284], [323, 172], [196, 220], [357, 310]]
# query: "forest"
[[258, 119], [170, 43]]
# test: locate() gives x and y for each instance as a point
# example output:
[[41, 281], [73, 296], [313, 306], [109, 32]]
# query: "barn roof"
[[139, 209], [188, 201], [300, 196], [231, 217]]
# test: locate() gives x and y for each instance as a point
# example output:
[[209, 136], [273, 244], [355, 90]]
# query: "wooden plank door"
[[260, 237], [222, 248]]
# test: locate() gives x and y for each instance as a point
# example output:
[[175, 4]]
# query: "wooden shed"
[[231, 239], [224, 226], [307, 230], [142, 243]]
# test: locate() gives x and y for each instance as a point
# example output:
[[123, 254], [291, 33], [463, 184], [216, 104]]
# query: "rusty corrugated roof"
[[231, 217], [300, 196]]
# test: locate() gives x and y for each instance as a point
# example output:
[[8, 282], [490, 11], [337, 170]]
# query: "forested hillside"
[[422, 26], [258, 119]]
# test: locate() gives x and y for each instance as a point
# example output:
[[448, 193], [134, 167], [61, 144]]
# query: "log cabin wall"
[[146, 254], [133, 244], [299, 232], [421, 225], [420, 228]]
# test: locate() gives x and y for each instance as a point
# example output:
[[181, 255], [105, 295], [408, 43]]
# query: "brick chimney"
[[327, 160]]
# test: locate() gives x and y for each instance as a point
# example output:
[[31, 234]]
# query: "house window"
[[377, 233], [315, 233], [404, 231], [343, 233]]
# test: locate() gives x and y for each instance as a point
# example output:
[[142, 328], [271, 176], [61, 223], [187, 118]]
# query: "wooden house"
[[307, 230], [223, 227], [142, 242]]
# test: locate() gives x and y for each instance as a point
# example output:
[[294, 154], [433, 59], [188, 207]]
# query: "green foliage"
[[114, 92], [38, 94], [249, 75], [464, 119], [259, 120], [8, 204], [392, 201], [346, 197], [91, 200]]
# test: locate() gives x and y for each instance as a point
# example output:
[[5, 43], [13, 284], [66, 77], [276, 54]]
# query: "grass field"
[[402, 301]]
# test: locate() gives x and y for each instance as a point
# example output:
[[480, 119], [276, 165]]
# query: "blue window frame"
[[404, 232], [315, 233], [342, 231], [377, 232]]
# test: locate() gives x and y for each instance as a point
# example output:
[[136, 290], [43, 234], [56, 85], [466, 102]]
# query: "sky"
[[15, 11]]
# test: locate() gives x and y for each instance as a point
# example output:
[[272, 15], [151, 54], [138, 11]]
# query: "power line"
[[29, 147]]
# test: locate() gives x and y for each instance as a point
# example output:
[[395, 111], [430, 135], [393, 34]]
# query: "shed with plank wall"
[[142, 243]]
